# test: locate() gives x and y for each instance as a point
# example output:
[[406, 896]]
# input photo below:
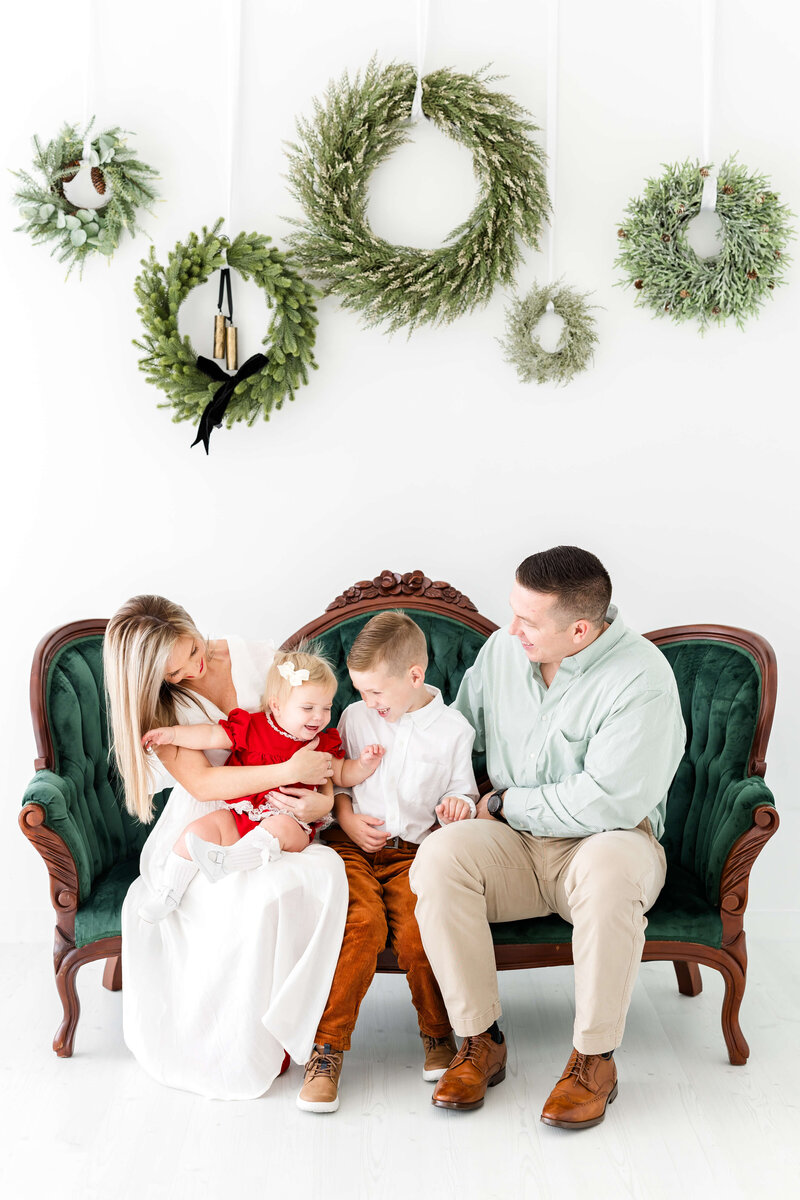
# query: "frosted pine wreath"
[[192, 383], [87, 195], [671, 279], [357, 126], [576, 344]]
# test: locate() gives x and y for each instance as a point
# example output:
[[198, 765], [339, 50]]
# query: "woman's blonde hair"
[[138, 642], [304, 658]]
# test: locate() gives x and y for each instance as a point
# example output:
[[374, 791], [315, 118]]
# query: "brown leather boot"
[[479, 1064], [579, 1099]]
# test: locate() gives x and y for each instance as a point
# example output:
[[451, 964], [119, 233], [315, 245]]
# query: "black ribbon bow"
[[215, 410]]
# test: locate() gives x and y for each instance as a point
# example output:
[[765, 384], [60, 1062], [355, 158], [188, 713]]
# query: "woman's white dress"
[[214, 992]]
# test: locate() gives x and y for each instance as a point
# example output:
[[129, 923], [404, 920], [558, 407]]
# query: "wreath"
[[192, 383], [671, 278], [117, 185], [358, 126], [576, 344]]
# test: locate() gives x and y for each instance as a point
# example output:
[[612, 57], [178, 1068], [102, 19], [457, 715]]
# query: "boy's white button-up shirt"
[[428, 757]]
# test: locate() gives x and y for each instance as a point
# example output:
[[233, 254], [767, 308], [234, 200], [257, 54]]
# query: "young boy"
[[425, 774]]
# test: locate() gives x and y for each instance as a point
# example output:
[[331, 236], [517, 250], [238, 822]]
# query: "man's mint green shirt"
[[596, 750]]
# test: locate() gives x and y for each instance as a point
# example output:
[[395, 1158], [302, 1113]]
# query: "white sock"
[[250, 852], [178, 874]]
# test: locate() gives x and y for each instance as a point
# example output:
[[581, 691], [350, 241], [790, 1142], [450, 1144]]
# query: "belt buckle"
[[394, 842]]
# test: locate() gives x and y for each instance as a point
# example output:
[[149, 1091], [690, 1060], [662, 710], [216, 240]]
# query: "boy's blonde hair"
[[390, 639], [304, 658]]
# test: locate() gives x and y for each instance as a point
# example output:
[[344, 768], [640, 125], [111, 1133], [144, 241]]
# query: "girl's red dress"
[[257, 740]]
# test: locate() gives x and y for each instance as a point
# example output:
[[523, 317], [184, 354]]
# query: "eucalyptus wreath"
[[75, 233], [674, 281], [170, 361], [576, 344], [359, 124]]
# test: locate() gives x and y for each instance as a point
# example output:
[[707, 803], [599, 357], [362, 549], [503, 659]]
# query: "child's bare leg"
[[290, 834], [218, 828]]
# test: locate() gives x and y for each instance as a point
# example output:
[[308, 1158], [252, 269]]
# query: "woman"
[[215, 992]]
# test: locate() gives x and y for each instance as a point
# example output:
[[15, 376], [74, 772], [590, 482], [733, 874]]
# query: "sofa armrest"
[[55, 795], [735, 816]]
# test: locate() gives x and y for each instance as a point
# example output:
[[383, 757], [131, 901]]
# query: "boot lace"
[[322, 1062]]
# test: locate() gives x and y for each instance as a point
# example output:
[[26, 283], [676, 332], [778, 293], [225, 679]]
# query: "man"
[[581, 723]]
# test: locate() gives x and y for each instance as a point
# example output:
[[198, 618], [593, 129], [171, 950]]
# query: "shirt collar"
[[576, 664], [425, 716]]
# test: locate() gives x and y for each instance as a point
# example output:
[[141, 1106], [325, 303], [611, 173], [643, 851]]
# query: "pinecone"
[[752, 274], [704, 171], [684, 293], [621, 233], [665, 237], [97, 178], [728, 191], [638, 283], [715, 310]]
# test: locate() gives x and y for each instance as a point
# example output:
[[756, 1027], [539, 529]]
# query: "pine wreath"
[[358, 126], [170, 361], [576, 344], [49, 216], [674, 281]]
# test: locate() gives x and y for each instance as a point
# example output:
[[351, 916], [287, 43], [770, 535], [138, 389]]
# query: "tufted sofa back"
[[721, 685], [73, 745]]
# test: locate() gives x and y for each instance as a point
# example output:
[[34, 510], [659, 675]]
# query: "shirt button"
[[543, 718], [533, 756]]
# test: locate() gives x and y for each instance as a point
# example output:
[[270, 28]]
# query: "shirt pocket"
[[425, 780], [568, 755]]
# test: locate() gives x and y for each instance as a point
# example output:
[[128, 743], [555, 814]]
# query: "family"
[[288, 853]]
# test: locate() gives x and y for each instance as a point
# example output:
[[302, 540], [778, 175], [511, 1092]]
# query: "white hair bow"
[[295, 677]]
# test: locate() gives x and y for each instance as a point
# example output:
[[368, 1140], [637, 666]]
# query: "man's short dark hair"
[[576, 577]]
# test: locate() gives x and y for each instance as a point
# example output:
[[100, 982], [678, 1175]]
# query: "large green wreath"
[[674, 281], [78, 232], [170, 361], [359, 125]]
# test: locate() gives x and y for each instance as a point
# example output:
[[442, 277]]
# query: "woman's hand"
[[311, 766], [302, 803], [158, 737]]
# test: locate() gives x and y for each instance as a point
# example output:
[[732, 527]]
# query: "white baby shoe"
[[216, 861]]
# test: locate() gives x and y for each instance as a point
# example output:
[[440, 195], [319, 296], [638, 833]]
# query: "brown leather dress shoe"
[[579, 1099], [479, 1064]]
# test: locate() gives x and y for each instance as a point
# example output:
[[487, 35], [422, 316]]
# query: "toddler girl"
[[254, 829]]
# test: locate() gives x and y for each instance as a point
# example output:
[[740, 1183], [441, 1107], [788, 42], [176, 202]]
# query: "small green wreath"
[[576, 344], [75, 231], [170, 361], [359, 126], [674, 281]]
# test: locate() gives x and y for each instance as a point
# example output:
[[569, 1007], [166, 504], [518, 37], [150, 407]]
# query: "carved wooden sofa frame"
[[544, 942]]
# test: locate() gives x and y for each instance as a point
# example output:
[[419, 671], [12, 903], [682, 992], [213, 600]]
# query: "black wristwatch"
[[494, 806]]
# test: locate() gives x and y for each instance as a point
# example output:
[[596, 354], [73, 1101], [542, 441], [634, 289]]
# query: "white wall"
[[674, 458]]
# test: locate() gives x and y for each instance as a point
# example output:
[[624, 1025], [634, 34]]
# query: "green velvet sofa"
[[719, 815]]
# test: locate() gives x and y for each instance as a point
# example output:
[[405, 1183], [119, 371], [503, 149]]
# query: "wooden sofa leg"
[[65, 982], [690, 982], [112, 974], [734, 972]]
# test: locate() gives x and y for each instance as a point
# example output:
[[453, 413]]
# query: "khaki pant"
[[474, 872]]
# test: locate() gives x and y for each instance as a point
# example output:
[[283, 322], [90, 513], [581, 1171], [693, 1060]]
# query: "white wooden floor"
[[686, 1124]]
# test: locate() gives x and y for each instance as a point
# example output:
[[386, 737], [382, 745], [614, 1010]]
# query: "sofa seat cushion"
[[99, 916], [681, 914]]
